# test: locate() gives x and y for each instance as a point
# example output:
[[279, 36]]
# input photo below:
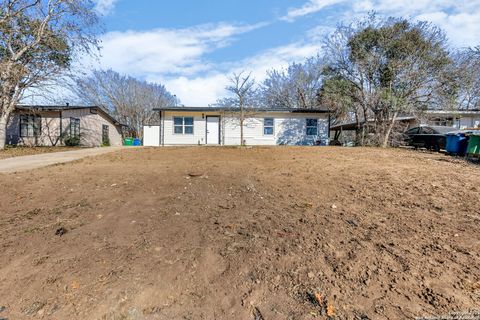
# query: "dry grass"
[[11, 152]]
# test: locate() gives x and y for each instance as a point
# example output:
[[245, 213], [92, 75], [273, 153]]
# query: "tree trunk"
[[242, 143], [388, 132], [242, 119], [3, 131]]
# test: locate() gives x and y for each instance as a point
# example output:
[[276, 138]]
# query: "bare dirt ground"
[[227, 233], [10, 152]]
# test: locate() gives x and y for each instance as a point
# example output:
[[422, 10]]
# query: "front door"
[[213, 130]]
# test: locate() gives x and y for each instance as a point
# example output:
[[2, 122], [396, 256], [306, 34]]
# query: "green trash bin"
[[473, 148], [128, 141]]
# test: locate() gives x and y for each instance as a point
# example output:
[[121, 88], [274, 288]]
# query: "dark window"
[[183, 125], [105, 135], [74, 128], [412, 131], [312, 127], [30, 125], [442, 121], [427, 130], [268, 125]]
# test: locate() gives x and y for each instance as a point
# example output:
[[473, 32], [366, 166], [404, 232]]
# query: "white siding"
[[289, 128], [469, 122], [199, 129]]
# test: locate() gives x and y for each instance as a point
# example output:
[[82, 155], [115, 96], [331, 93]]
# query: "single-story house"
[[461, 119], [221, 126], [55, 125]]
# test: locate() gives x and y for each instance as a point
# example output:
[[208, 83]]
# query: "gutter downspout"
[[160, 130], [163, 128], [329, 125], [61, 127]]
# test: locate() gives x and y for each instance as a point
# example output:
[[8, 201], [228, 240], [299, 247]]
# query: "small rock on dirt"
[[60, 231], [194, 174]]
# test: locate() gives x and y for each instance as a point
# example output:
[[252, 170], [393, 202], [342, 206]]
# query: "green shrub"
[[72, 141]]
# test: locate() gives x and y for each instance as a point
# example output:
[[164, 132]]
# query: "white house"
[[220, 126], [461, 119]]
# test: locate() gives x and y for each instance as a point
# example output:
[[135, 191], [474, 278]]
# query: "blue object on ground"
[[457, 143], [137, 142]]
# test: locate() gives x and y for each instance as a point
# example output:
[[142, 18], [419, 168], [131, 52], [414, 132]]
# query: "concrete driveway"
[[24, 163]]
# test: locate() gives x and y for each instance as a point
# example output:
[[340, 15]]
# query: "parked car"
[[429, 137]]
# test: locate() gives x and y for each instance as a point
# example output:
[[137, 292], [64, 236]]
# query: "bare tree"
[[297, 86], [129, 100], [466, 73], [39, 39], [244, 98]]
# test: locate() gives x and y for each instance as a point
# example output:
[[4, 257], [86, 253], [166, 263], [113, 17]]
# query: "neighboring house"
[[220, 126], [461, 119], [54, 125]]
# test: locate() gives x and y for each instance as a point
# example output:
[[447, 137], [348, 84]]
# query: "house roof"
[[210, 109], [348, 126], [353, 125], [69, 107], [454, 112]]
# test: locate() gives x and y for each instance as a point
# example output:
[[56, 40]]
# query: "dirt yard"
[[227, 233], [10, 152]]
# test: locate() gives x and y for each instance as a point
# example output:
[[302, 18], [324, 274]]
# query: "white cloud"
[[167, 51], [197, 91], [462, 29], [208, 88], [105, 7], [174, 57], [312, 6], [460, 19]]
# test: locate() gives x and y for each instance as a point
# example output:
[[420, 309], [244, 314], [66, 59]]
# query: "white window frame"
[[309, 127], [183, 125], [272, 126]]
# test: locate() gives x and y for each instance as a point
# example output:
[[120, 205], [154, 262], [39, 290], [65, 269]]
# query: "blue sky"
[[191, 46]]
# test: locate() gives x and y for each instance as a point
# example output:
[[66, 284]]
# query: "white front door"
[[151, 136], [213, 130]]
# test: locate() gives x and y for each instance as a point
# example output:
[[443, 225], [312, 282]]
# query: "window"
[[268, 125], [312, 127], [183, 125], [427, 130], [413, 131], [444, 122], [74, 128], [30, 125]]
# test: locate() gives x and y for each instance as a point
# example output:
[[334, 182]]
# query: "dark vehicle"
[[429, 137]]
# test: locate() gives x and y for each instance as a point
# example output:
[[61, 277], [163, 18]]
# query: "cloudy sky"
[[192, 45]]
